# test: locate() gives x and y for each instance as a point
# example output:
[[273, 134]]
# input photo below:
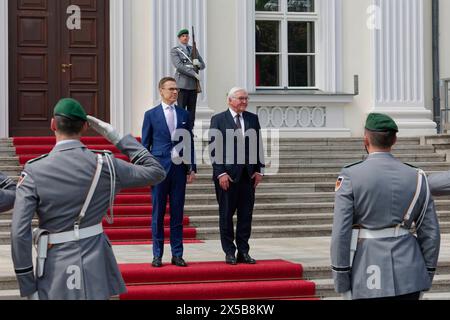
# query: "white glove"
[[197, 76], [196, 63], [347, 295], [33, 296], [105, 129]]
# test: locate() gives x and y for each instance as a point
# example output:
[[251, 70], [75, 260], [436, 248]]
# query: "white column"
[[170, 16], [120, 71], [329, 35], [399, 67], [4, 90]]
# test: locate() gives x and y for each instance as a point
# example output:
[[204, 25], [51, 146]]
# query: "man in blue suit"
[[166, 133]]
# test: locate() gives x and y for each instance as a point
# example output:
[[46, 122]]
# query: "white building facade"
[[297, 58]]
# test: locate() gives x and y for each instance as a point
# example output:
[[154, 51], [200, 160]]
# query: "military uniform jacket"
[[376, 194], [7, 193], [55, 187], [185, 73], [440, 184]]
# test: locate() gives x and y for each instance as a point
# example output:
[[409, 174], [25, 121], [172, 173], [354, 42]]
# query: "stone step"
[[274, 220], [287, 168], [10, 295], [259, 232], [323, 141], [9, 161], [346, 159], [324, 271], [269, 220], [7, 151], [325, 287], [292, 150], [437, 139], [289, 231]]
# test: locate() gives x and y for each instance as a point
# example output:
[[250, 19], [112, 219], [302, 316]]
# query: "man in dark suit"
[[238, 160], [167, 134]]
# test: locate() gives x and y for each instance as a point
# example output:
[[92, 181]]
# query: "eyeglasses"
[[242, 98]]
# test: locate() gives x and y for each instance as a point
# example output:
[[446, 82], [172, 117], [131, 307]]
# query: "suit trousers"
[[187, 99], [174, 187], [239, 198]]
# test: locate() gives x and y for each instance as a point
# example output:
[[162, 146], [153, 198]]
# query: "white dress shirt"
[[167, 114], [234, 114]]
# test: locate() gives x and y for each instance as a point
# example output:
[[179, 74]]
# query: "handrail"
[[445, 108]]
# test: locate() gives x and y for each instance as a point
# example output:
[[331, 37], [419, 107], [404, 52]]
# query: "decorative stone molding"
[[292, 117], [312, 115]]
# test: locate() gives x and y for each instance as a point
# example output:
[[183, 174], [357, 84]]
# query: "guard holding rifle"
[[71, 189], [188, 64]]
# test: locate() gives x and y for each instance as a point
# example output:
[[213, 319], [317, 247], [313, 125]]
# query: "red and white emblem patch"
[[339, 182], [22, 178]]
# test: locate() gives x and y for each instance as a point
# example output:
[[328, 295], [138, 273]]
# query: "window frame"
[[284, 17]]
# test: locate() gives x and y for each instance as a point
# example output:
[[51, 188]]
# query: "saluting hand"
[[105, 129]]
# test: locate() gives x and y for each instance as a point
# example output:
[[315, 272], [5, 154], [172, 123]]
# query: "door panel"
[[40, 44]]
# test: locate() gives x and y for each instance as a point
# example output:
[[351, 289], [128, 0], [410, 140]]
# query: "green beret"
[[380, 123], [184, 31], [70, 108]]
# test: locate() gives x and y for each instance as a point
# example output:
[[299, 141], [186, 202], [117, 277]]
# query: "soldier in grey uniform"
[[71, 190], [385, 240], [186, 76], [7, 193]]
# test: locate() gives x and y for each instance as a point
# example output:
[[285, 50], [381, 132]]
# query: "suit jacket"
[[222, 160], [55, 187], [185, 74], [376, 194], [7, 193], [156, 138]]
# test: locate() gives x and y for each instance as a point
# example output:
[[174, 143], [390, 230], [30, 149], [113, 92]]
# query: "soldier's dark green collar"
[[353, 164], [37, 159]]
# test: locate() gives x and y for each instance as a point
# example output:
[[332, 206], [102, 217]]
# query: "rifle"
[[195, 56]]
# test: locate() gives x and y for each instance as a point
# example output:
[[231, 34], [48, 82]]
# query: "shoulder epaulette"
[[353, 164], [37, 159], [102, 151], [410, 165]]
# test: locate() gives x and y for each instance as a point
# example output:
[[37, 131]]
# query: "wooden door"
[[48, 61]]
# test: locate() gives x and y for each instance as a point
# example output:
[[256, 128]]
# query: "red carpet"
[[132, 207], [274, 279]]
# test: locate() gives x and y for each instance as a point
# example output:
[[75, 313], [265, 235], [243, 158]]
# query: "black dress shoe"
[[230, 259], [245, 258], [157, 262], [179, 262]]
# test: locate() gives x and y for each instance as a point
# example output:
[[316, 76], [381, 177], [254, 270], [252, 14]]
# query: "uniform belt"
[[63, 237], [383, 233]]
